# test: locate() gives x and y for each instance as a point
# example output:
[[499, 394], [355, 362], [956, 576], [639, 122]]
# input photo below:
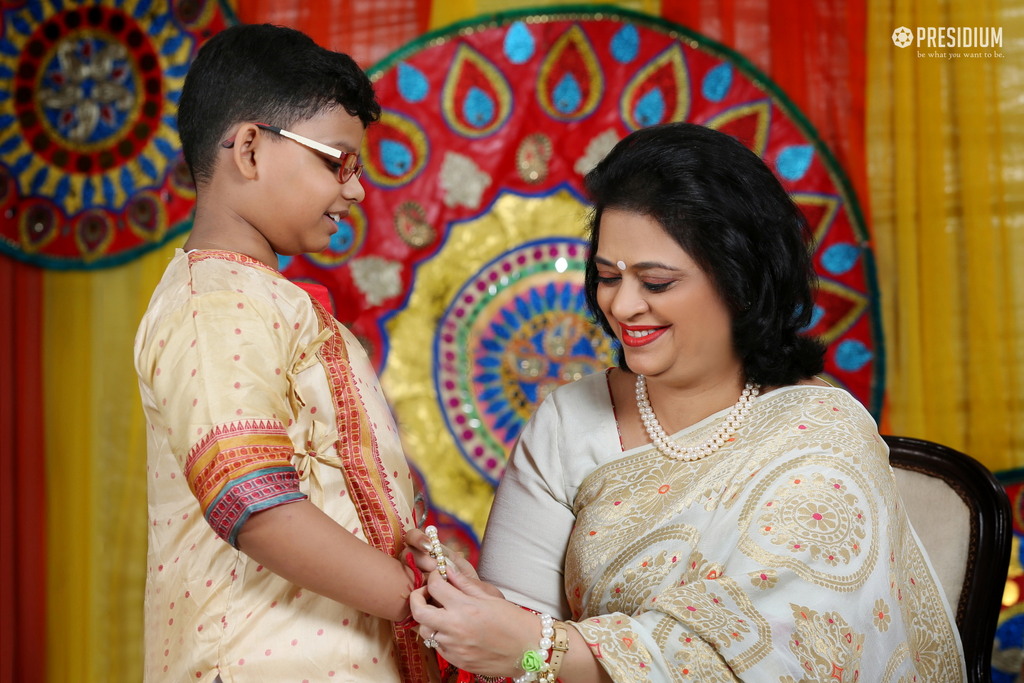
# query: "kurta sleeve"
[[219, 372], [530, 522]]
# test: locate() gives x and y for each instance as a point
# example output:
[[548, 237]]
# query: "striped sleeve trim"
[[252, 493]]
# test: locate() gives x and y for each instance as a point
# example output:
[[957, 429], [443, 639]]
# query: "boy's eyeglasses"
[[347, 162]]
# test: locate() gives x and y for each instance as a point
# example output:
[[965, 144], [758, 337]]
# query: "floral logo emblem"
[[902, 37]]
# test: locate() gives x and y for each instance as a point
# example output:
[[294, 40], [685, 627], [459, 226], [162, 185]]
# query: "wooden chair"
[[962, 515]]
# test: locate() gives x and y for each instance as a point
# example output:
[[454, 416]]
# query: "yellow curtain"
[[95, 475], [946, 170]]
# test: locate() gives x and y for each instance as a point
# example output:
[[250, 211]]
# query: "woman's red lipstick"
[[634, 341]]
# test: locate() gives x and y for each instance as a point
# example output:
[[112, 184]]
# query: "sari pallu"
[[783, 557]]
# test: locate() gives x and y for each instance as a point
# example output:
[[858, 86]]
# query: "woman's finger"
[[417, 543], [415, 538], [460, 564], [442, 592], [470, 585], [419, 604]]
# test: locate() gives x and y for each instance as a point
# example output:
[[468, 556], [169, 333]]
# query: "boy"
[[278, 490]]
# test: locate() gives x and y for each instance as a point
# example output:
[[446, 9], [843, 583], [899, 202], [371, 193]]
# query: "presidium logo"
[[903, 37], [968, 41]]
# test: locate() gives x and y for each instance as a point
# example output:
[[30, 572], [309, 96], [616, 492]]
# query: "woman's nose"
[[629, 300]]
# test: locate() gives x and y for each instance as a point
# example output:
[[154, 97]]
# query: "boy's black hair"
[[722, 204], [262, 73]]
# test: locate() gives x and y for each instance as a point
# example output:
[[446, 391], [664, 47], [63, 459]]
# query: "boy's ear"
[[243, 152]]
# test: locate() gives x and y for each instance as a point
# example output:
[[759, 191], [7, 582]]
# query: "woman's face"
[[664, 309]]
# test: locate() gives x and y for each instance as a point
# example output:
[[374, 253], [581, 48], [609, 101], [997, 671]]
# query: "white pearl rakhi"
[[437, 551]]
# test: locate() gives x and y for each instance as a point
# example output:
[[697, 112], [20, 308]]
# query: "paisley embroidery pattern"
[[825, 645], [815, 515], [744, 559]]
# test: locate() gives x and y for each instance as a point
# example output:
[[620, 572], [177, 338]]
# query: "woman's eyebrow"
[[643, 265]]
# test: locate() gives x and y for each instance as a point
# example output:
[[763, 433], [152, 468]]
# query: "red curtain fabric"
[[814, 51], [22, 476], [368, 31]]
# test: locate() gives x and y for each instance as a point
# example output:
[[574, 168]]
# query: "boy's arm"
[[300, 543]]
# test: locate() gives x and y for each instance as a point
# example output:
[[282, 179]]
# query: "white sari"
[[783, 557]]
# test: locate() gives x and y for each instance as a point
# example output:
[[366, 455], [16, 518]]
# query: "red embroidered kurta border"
[[366, 477], [240, 468]]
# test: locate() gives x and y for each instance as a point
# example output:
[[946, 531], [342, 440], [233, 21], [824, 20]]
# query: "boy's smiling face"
[[299, 198]]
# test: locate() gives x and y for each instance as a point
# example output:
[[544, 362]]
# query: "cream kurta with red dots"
[[228, 344]]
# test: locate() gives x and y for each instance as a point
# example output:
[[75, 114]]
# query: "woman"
[[763, 540]]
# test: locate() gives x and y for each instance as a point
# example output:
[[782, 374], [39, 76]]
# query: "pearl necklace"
[[673, 450]]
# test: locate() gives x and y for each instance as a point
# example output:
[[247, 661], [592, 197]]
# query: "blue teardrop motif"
[[839, 258], [109, 191], [817, 313], [625, 44], [89, 194], [64, 186], [478, 108], [412, 84], [794, 161], [127, 181], [852, 355], [39, 179], [567, 94], [650, 109], [519, 43], [717, 82], [395, 157]]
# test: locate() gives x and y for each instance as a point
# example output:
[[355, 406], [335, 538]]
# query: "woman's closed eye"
[[654, 285]]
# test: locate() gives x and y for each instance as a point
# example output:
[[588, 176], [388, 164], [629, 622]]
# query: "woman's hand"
[[419, 545], [474, 627]]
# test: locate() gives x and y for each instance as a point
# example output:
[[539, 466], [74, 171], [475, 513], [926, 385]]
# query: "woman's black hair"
[[722, 204]]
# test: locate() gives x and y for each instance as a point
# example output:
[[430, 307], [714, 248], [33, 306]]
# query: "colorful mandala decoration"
[[1008, 651], [466, 288], [516, 330], [90, 167]]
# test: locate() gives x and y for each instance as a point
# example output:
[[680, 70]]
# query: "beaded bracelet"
[[534, 662], [437, 551]]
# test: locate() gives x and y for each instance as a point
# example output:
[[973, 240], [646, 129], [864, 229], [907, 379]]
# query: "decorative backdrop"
[[934, 147], [91, 172], [462, 270]]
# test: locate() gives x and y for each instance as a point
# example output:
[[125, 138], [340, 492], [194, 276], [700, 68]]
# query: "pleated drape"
[[23, 501], [945, 145], [95, 473]]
